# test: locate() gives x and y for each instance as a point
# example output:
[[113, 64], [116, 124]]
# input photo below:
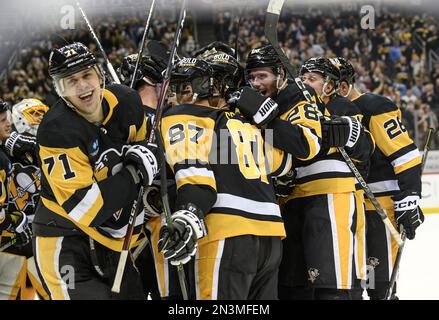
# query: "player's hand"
[[20, 226], [142, 163], [340, 132], [407, 212], [21, 146]]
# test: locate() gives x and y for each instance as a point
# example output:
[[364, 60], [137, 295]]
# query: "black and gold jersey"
[[396, 163], [5, 173], [327, 172], [24, 188], [84, 184], [297, 130], [222, 165]]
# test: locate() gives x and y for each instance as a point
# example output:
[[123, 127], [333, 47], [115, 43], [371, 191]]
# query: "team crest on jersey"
[[94, 147], [313, 273], [24, 187], [373, 262], [109, 163]]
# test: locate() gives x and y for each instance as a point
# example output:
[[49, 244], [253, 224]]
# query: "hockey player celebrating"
[[394, 177], [92, 164], [312, 259], [223, 183]]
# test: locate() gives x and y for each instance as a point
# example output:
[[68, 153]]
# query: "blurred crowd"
[[389, 59]]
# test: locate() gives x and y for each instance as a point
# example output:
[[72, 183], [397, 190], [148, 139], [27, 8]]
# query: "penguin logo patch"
[[313, 273]]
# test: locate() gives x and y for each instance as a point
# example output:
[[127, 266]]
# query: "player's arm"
[[188, 141], [70, 177], [298, 131], [393, 141]]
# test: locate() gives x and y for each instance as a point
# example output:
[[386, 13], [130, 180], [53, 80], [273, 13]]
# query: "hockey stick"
[[104, 55], [395, 270], [270, 29], [7, 245], [142, 43], [140, 248], [155, 136]]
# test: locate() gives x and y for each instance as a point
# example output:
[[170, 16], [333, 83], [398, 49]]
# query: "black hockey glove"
[[20, 226], [407, 212], [257, 108], [141, 162], [152, 201], [21, 147], [283, 186], [340, 132], [178, 241]]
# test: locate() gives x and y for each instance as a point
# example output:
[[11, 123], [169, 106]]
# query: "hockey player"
[[324, 184], [227, 216], [92, 164], [163, 281], [13, 224], [394, 178]]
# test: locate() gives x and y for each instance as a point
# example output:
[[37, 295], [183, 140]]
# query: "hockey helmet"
[[262, 57], [347, 71], [3, 106], [68, 60], [195, 71], [323, 66], [27, 115], [214, 47], [227, 72]]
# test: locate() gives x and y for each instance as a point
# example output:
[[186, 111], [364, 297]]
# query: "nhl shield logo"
[[313, 273]]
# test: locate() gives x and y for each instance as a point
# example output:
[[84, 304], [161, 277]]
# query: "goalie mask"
[[27, 115], [196, 72], [69, 60]]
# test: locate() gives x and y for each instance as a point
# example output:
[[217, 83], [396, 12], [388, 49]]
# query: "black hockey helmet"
[[262, 57], [321, 65], [227, 72], [213, 47], [195, 71], [70, 59], [347, 71]]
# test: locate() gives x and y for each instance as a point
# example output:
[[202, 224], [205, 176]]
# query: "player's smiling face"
[[83, 90], [263, 80]]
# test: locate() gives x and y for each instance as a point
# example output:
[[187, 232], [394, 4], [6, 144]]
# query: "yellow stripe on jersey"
[[323, 186], [141, 133], [209, 181], [112, 101], [222, 226], [112, 243], [3, 194], [66, 171], [187, 138], [407, 165], [360, 236]]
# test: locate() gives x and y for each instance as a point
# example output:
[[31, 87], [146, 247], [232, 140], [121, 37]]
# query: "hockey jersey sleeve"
[[70, 176], [394, 142], [298, 131], [3, 198], [188, 142], [365, 145]]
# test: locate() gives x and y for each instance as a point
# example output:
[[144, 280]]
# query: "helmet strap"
[[349, 91]]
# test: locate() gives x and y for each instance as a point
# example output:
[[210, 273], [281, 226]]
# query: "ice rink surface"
[[419, 278]]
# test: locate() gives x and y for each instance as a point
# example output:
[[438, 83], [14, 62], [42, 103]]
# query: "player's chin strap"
[[349, 91]]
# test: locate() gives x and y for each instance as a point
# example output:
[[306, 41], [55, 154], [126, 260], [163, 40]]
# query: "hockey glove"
[[178, 241], [21, 147], [152, 202], [141, 162], [257, 108], [340, 132], [283, 186], [20, 226], [407, 212]]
